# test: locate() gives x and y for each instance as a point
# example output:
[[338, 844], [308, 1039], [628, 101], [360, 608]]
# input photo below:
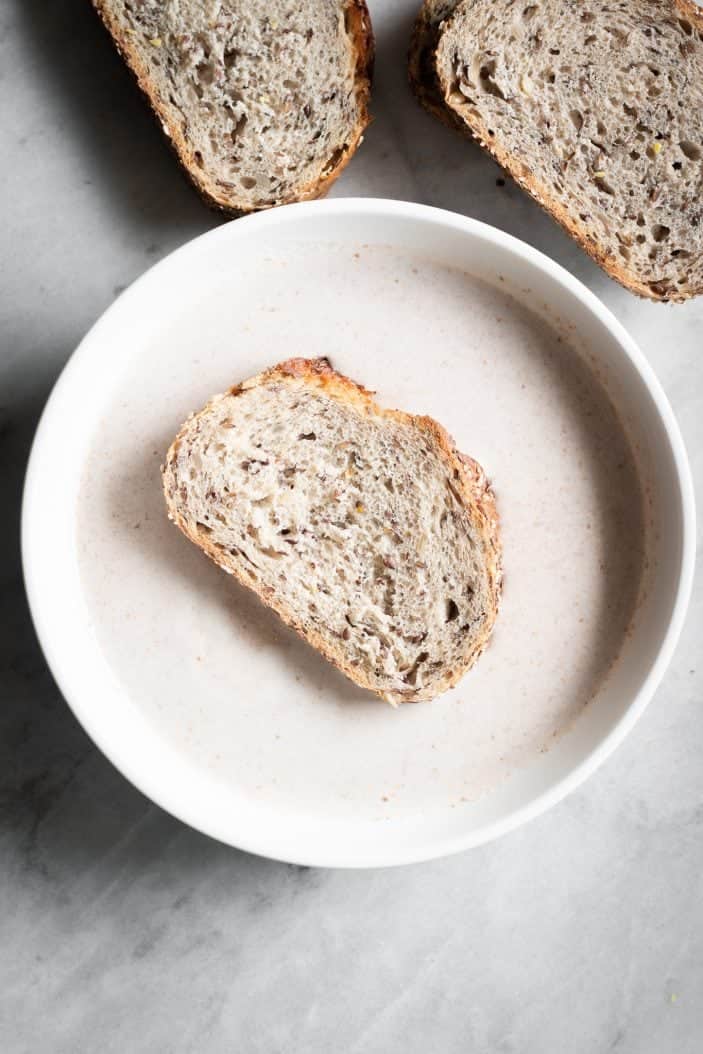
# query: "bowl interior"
[[67, 632]]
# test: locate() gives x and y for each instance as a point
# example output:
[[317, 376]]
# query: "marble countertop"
[[123, 931]]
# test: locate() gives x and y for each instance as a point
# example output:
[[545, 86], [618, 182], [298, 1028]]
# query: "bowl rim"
[[329, 856]]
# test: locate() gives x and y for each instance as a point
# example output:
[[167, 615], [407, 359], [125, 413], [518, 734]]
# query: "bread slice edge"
[[421, 69]]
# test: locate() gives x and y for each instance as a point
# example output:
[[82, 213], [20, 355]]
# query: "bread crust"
[[433, 96], [468, 478], [358, 22], [421, 71]]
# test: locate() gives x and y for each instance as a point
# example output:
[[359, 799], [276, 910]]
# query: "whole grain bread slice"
[[595, 107], [362, 528], [264, 102]]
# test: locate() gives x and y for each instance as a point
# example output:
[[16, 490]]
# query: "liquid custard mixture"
[[223, 680]]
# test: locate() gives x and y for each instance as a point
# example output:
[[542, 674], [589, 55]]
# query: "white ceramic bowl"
[[110, 711]]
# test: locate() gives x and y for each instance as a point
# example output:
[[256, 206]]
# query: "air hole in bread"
[[486, 79], [411, 676], [576, 119], [690, 150], [205, 72], [238, 128]]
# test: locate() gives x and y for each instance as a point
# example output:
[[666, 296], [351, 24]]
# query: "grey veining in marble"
[[123, 931]]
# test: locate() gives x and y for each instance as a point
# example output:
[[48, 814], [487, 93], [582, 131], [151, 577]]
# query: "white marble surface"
[[122, 930]]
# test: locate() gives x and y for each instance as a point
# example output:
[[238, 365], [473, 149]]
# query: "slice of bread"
[[265, 103], [364, 529], [596, 109]]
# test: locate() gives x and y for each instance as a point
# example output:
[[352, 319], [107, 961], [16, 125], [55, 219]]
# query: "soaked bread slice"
[[363, 528]]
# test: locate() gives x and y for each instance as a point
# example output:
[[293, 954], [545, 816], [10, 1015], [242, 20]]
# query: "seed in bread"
[[363, 528]]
